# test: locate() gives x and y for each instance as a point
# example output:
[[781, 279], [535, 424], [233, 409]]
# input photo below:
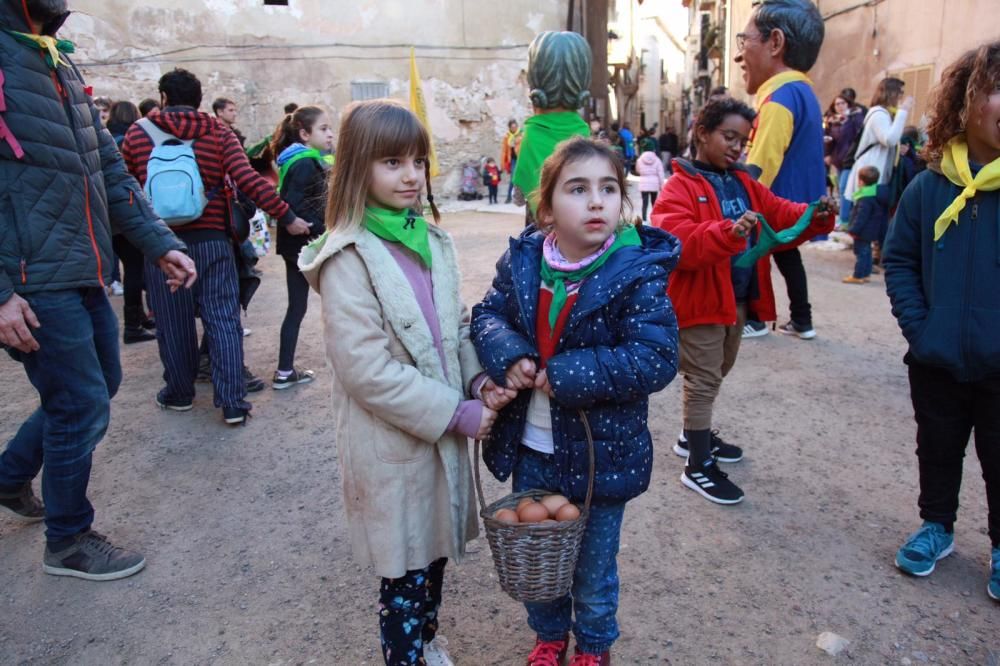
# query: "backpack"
[[173, 180]]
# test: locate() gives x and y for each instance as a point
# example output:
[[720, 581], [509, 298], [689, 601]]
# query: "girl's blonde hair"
[[575, 150], [370, 131]]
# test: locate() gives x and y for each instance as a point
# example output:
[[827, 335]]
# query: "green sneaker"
[[93, 557], [924, 548]]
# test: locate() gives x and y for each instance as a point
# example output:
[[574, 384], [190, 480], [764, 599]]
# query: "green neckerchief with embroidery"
[[769, 239], [400, 226], [53, 47]]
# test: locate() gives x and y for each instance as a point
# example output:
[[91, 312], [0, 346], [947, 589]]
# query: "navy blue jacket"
[[618, 347], [870, 215], [944, 294]]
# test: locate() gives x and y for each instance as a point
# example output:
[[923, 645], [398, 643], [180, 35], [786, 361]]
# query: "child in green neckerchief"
[[869, 221]]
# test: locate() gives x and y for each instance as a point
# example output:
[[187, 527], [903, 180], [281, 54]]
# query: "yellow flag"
[[418, 107]]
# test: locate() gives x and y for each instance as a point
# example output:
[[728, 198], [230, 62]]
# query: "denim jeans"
[[845, 202], [862, 258], [76, 372], [594, 597]]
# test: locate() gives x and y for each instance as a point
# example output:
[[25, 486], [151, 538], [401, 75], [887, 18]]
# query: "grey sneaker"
[[23, 505], [93, 557]]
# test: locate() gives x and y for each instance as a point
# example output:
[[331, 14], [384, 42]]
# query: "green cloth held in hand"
[[768, 239], [400, 226], [542, 133]]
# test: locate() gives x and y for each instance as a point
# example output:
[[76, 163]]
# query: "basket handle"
[[590, 455]]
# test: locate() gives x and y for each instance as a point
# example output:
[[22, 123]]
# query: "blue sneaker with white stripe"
[[920, 553], [993, 589]]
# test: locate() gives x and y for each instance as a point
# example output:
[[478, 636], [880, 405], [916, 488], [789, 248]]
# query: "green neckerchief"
[[301, 155], [865, 192], [400, 226], [769, 238], [542, 132], [557, 279], [52, 46]]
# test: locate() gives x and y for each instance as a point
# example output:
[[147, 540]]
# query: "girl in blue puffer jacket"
[[578, 318]]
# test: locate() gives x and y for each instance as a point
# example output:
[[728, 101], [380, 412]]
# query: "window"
[[362, 90], [918, 82]]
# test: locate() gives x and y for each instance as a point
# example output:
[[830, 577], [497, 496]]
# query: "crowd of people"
[[588, 313]]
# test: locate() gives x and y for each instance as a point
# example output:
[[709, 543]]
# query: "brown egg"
[[568, 512], [524, 501], [532, 513], [506, 516], [553, 503]]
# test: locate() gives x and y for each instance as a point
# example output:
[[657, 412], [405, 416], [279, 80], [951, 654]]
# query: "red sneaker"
[[581, 659], [548, 653]]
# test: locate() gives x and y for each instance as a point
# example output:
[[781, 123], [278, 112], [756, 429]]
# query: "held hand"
[[542, 383], [828, 205], [907, 104], [496, 397], [521, 375], [15, 317], [742, 227], [486, 422], [298, 228], [179, 269]]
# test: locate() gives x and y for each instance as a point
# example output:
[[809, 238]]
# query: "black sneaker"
[[23, 505], [93, 557], [235, 415], [712, 483], [253, 382], [132, 335], [204, 375], [805, 332], [754, 329], [175, 404], [721, 450], [296, 377]]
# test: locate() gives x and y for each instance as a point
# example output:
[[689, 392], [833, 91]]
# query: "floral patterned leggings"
[[408, 609]]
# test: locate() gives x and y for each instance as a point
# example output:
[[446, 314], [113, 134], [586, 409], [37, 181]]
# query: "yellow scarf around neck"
[[955, 167]]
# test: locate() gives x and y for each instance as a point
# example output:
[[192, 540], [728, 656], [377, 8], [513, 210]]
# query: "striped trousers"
[[215, 297]]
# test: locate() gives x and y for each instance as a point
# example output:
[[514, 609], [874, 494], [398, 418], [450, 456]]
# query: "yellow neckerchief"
[[955, 167], [768, 87], [51, 45]]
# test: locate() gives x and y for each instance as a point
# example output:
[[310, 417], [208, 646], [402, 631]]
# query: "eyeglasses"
[[741, 40]]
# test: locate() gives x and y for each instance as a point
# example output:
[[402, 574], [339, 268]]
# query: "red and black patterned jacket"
[[218, 152]]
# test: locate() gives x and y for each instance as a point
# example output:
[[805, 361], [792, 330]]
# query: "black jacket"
[[62, 200], [304, 189]]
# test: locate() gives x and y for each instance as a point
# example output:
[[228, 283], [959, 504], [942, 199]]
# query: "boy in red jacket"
[[711, 205]]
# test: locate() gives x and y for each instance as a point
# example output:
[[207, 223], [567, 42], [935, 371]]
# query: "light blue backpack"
[[173, 181]]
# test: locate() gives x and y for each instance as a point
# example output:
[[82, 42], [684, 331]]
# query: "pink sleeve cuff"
[[467, 418]]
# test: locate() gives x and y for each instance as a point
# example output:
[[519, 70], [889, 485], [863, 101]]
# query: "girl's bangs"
[[397, 133]]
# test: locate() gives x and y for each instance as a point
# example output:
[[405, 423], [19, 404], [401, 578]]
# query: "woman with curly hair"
[[942, 261]]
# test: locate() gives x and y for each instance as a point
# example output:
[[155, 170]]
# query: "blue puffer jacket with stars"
[[619, 346]]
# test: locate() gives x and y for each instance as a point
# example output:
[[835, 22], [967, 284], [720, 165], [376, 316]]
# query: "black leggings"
[[298, 303], [132, 280], [408, 611], [648, 199]]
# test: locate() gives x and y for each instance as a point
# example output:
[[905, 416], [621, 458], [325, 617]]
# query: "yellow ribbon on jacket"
[[955, 167]]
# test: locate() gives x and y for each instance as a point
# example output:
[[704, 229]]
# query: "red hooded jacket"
[[701, 287]]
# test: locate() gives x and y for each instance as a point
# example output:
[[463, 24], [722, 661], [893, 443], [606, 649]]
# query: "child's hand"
[[742, 227], [496, 397], [542, 383], [521, 375], [486, 422], [828, 205]]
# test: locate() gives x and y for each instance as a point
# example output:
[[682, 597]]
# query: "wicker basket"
[[535, 561]]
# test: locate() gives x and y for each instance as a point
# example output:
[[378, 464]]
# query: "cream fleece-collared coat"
[[408, 488]]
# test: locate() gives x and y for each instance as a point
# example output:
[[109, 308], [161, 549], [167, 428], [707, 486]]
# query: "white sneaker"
[[117, 289], [435, 653], [247, 332]]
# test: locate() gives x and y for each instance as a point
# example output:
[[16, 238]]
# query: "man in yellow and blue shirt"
[[779, 44]]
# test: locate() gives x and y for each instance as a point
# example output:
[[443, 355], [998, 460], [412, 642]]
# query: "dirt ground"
[[249, 563]]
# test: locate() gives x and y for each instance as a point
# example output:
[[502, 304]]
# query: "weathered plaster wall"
[[471, 57]]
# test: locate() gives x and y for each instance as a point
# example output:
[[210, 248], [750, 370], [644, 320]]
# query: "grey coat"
[[63, 199]]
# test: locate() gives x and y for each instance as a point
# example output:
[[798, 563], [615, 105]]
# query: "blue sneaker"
[[924, 548], [993, 589]]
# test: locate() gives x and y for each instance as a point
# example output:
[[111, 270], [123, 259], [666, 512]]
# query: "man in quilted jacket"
[[64, 191]]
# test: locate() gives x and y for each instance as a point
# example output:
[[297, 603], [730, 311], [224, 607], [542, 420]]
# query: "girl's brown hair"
[[287, 132], [567, 152], [972, 75], [370, 131], [888, 92]]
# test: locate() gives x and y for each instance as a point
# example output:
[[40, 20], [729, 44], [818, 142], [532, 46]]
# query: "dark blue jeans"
[[862, 258], [76, 372], [594, 597]]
